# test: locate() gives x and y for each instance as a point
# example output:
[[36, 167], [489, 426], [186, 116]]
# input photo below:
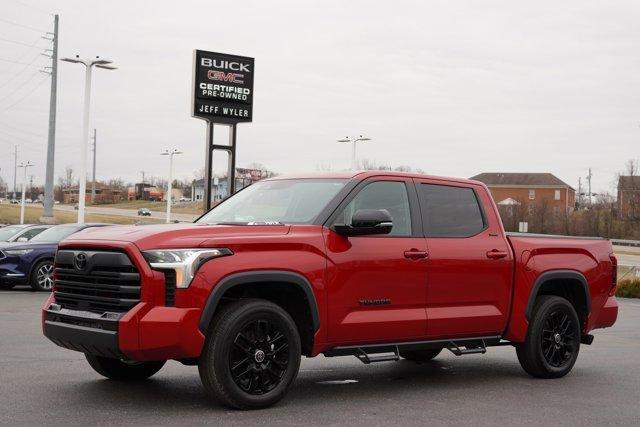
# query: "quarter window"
[[450, 211], [389, 195]]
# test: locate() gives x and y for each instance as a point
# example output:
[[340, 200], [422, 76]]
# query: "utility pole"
[[142, 172], [24, 181], [15, 169], [170, 153], [589, 180], [579, 192], [47, 216], [93, 181]]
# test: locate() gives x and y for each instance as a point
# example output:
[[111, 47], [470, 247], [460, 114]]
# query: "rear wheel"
[[251, 355], [420, 355], [42, 276], [553, 339], [122, 370]]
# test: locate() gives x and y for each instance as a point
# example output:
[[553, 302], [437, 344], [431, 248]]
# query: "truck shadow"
[[326, 385]]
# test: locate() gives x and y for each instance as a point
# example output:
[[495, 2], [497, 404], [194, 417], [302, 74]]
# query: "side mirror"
[[22, 239], [366, 222]]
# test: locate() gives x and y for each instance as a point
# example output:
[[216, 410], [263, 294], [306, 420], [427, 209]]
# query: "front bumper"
[[144, 333]]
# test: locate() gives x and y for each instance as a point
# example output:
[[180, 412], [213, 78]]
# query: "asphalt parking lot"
[[46, 385]]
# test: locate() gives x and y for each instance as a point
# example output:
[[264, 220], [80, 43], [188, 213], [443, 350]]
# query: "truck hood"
[[184, 235]]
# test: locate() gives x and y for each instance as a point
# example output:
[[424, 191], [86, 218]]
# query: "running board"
[[366, 358], [478, 347], [391, 351]]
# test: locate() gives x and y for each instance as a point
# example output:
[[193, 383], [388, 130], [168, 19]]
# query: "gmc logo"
[[228, 65], [225, 77]]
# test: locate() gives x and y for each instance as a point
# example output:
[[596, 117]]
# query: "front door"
[[470, 267], [376, 284]]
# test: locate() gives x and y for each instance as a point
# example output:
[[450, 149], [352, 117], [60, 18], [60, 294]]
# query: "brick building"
[[629, 197], [529, 190], [104, 194]]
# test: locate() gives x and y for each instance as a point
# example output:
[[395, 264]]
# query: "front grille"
[[96, 281]]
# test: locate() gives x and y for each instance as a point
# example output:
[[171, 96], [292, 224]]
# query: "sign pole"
[[232, 159], [208, 173]]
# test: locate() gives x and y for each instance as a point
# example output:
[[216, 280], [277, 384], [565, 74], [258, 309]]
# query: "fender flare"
[[555, 275], [257, 277]]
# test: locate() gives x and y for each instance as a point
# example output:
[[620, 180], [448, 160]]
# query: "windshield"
[[8, 232], [284, 201], [55, 234]]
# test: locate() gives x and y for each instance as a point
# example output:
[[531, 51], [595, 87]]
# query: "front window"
[[55, 234], [287, 201], [8, 232]]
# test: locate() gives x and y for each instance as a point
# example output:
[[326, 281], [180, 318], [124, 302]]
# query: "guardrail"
[[619, 242]]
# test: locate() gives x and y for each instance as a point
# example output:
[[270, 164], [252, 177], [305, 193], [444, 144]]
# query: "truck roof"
[[370, 173]]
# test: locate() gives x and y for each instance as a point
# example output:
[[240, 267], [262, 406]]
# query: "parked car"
[[144, 212], [376, 265], [20, 232], [31, 263], [14, 202]]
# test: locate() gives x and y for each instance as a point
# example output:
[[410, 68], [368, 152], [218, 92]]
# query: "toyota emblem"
[[80, 261]]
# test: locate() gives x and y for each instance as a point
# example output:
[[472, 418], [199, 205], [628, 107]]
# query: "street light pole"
[[170, 153], [88, 63], [24, 182], [354, 141]]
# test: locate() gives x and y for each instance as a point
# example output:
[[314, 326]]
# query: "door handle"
[[415, 254], [496, 254]]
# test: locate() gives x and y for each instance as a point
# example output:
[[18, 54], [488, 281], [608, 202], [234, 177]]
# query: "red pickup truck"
[[377, 265]]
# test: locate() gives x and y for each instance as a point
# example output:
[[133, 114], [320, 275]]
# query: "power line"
[[29, 6], [22, 70], [20, 86], [25, 95], [17, 24], [16, 62], [21, 43], [15, 129]]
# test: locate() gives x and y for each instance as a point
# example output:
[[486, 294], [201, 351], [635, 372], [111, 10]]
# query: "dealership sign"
[[223, 87]]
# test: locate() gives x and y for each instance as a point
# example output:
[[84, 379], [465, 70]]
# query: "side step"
[[366, 358], [477, 347]]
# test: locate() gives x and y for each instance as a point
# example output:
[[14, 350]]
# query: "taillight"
[[614, 274]]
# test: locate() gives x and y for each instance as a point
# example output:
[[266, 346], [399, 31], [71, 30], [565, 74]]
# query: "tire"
[[251, 355], [119, 370], [42, 276], [553, 339], [420, 355]]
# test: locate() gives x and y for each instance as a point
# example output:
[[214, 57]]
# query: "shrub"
[[629, 288]]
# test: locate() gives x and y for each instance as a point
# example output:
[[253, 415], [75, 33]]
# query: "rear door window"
[[449, 211]]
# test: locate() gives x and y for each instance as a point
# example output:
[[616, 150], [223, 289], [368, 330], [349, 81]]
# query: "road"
[[105, 210], [45, 385]]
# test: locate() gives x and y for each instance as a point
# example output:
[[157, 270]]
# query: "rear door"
[[470, 262], [376, 284]]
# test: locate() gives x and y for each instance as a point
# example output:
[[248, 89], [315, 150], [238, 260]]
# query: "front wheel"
[[122, 370], [251, 354], [553, 339], [42, 276]]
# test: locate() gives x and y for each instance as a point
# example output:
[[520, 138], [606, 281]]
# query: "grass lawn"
[[185, 207], [10, 214]]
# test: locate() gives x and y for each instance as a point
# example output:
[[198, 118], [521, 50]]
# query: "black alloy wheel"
[[558, 338], [259, 357], [552, 343]]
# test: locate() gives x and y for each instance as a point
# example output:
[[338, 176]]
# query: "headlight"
[[17, 252], [185, 262]]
